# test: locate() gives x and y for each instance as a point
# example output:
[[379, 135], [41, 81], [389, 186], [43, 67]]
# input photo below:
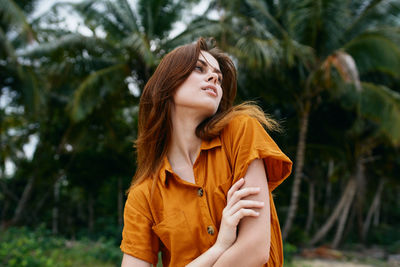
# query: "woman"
[[202, 191]]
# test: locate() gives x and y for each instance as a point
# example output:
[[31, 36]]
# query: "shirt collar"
[[209, 144], [166, 166]]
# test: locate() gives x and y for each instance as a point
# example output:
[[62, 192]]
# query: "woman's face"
[[202, 89]]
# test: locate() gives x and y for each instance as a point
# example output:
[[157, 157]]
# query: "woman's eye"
[[219, 79], [199, 68]]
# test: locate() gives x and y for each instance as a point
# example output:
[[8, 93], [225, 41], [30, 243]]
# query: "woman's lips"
[[211, 89]]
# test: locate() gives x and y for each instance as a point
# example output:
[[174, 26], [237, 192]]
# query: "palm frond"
[[382, 105], [74, 43], [129, 15], [6, 48], [12, 15], [94, 89], [124, 17], [259, 7], [158, 16], [374, 52], [138, 43], [200, 27], [374, 14], [335, 18], [95, 14], [32, 92]]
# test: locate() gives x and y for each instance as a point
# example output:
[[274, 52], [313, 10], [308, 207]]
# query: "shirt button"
[[210, 230], [200, 192]]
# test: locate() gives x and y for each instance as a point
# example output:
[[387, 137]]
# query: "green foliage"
[[382, 105], [289, 250], [383, 53], [12, 17], [386, 235], [23, 247], [394, 247]]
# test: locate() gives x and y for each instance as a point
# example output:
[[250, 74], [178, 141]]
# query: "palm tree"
[[87, 77], [125, 46], [19, 84], [308, 39], [381, 106]]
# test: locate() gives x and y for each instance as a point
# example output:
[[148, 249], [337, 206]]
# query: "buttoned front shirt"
[[182, 219]]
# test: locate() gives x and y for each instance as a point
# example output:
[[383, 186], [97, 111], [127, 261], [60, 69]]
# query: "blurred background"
[[71, 74]]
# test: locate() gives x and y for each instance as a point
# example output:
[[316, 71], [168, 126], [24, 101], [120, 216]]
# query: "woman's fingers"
[[241, 193], [245, 204], [236, 186], [233, 219], [243, 213]]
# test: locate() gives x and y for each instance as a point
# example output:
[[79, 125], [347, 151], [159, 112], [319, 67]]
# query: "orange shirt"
[[182, 219]]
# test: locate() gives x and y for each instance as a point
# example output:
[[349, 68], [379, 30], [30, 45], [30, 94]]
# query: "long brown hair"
[[155, 125]]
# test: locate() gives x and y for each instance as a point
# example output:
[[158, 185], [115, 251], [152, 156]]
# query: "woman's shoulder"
[[141, 190], [240, 122]]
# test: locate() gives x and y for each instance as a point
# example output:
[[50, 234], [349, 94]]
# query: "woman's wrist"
[[218, 249], [209, 257]]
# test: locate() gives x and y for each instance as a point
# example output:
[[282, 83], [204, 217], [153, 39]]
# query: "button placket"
[[206, 219]]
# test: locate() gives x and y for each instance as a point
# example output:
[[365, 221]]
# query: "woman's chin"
[[211, 112]]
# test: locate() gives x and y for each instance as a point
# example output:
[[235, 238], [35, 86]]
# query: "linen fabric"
[[182, 219]]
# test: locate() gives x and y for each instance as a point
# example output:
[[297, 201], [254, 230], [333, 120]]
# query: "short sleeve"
[[138, 238], [246, 140]]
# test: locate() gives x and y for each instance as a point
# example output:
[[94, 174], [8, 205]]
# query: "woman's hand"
[[236, 208]]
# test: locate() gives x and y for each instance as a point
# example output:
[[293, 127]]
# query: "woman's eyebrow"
[[205, 64]]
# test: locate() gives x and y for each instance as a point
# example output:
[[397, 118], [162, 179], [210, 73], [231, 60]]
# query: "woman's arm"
[[236, 209], [129, 261], [254, 232]]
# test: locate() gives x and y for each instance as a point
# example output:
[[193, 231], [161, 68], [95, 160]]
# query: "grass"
[[21, 247]]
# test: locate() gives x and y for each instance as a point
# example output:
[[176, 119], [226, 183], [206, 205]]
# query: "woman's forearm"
[[208, 258], [239, 255]]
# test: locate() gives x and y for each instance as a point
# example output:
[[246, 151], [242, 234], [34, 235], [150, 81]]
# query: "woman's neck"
[[185, 145]]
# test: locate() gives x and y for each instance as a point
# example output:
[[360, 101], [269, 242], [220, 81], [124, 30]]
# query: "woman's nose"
[[213, 77]]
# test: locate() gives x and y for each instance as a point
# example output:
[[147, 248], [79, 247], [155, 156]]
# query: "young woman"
[[206, 169]]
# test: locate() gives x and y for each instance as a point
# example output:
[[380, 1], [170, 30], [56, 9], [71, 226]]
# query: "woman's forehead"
[[209, 59]]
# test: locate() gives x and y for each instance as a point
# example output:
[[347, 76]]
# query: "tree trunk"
[[41, 202], [377, 212], [120, 202], [3, 223], [349, 190], [360, 200], [6, 203], [311, 199], [300, 154], [56, 192], [343, 217], [350, 223], [373, 208], [23, 201], [7, 192], [328, 187], [360, 180], [90, 213]]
